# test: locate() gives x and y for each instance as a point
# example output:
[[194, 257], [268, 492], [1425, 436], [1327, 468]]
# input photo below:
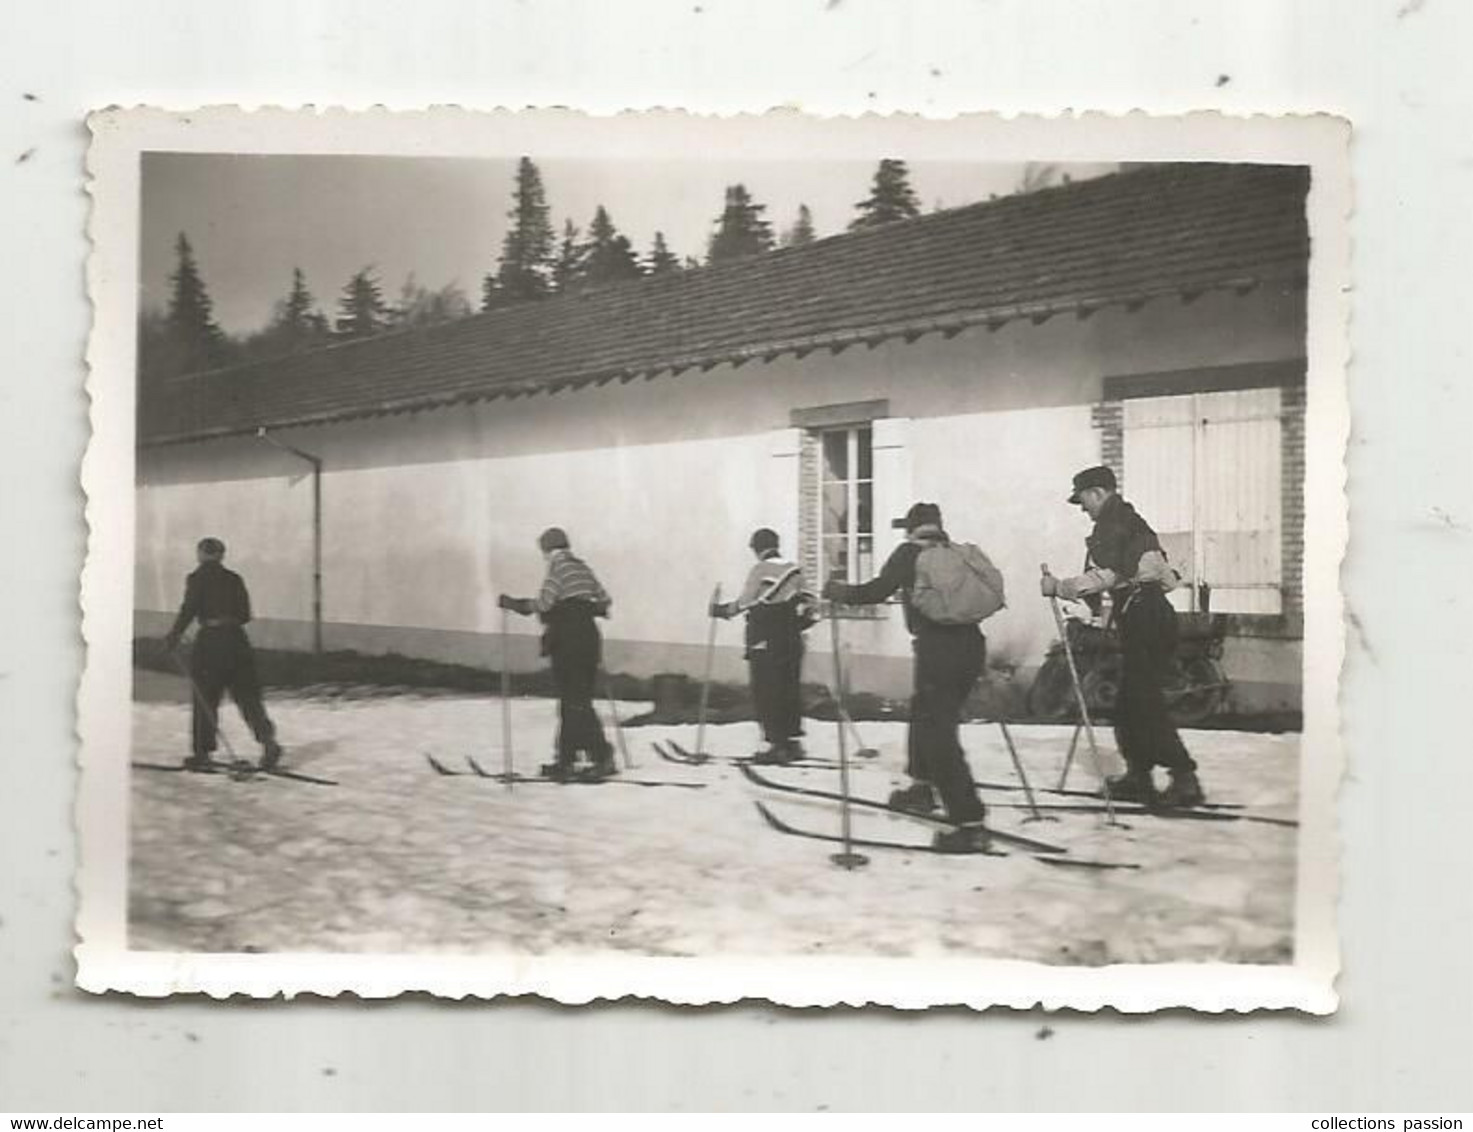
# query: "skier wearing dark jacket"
[[568, 603], [949, 659], [776, 607], [1126, 561], [222, 659]]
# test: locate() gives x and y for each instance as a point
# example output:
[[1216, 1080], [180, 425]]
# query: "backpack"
[[956, 584]]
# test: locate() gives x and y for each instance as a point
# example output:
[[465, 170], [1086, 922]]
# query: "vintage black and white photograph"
[[865, 561]]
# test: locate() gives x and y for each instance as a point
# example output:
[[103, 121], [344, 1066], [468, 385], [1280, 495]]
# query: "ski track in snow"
[[400, 859]]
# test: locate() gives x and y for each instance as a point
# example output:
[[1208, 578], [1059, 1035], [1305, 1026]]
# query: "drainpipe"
[[316, 462]]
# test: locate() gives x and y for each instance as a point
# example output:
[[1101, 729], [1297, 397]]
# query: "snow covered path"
[[400, 859]]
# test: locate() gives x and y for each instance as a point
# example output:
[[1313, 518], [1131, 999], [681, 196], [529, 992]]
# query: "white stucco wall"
[[428, 516]]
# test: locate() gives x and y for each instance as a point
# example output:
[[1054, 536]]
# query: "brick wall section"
[[1292, 501], [1109, 418], [809, 470]]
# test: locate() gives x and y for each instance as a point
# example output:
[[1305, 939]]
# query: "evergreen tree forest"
[[536, 262]]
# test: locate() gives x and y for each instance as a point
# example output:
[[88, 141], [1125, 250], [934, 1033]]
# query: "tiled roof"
[[1122, 239]]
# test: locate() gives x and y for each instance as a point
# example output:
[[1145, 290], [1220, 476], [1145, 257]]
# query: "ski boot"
[[778, 754], [202, 763], [969, 837], [1184, 792], [602, 767], [1133, 786], [559, 771], [270, 755], [917, 798]]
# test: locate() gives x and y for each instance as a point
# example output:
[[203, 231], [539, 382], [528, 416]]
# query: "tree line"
[[535, 263]]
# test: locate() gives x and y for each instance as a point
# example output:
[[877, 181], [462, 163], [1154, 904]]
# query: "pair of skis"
[[476, 770], [1043, 851], [239, 771], [673, 752]]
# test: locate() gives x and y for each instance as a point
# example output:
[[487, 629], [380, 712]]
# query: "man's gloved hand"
[[1049, 586], [835, 590], [522, 605], [718, 609]]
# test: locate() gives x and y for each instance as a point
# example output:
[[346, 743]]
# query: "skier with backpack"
[[778, 611], [947, 590]]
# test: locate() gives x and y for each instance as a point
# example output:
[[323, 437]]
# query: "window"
[[846, 533], [1205, 470]]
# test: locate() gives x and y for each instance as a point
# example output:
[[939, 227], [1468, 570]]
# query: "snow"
[[400, 859]]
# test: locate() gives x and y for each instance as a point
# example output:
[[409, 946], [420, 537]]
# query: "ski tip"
[[439, 767]]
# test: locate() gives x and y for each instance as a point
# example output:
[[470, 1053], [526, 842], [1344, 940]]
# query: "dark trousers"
[[574, 649], [1143, 729], [948, 663], [222, 661], [776, 691]]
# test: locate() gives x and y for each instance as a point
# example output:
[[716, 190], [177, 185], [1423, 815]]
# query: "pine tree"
[[891, 197], [361, 309], [567, 269], [199, 341], [610, 258], [662, 261], [741, 230], [418, 306], [802, 230], [525, 267], [298, 324]]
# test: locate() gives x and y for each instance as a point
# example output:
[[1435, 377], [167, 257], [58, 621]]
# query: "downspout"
[[316, 462]]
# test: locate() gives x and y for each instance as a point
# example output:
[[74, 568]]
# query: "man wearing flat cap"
[[570, 600], [1125, 560], [949, 659]]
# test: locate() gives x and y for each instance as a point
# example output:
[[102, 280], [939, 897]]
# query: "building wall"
[[428, 516]]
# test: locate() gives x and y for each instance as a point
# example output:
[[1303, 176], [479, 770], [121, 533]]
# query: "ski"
[[791, 830], [1135, 809], [675, 753], [1095, 795], [242, 772], [781, 826], [479, 771], [1015, 839]]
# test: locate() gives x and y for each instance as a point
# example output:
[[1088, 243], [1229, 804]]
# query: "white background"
[[1397, 69]]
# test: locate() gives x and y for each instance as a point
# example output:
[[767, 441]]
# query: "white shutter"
[[892, 475], [1159, 472], [1205, 470], [1239, 507], [780, 496]]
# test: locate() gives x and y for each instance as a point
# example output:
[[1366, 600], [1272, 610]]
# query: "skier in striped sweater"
[[778, 610], [569, 602]]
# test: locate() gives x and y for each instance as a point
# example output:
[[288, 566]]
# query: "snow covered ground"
[[400, 859]]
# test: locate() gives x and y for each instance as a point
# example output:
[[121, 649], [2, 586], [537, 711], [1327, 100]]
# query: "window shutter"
[[893, 490], [1206, 470], [1159, 446], [1239, 499]]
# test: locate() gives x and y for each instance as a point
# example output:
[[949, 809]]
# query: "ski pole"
[[508, 773], [1069, 758], [618, 727], [1007, 737], [848, 859], [861, 749], [204, 706], [1089, 730], [706, 677]]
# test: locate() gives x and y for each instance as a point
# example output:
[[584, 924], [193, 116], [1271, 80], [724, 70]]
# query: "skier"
[[949, 658], [778, 611], [570, 600], [1125, 560], [222, 659]]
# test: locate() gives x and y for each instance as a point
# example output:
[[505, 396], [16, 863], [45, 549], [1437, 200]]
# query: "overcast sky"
[[253, 218]]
